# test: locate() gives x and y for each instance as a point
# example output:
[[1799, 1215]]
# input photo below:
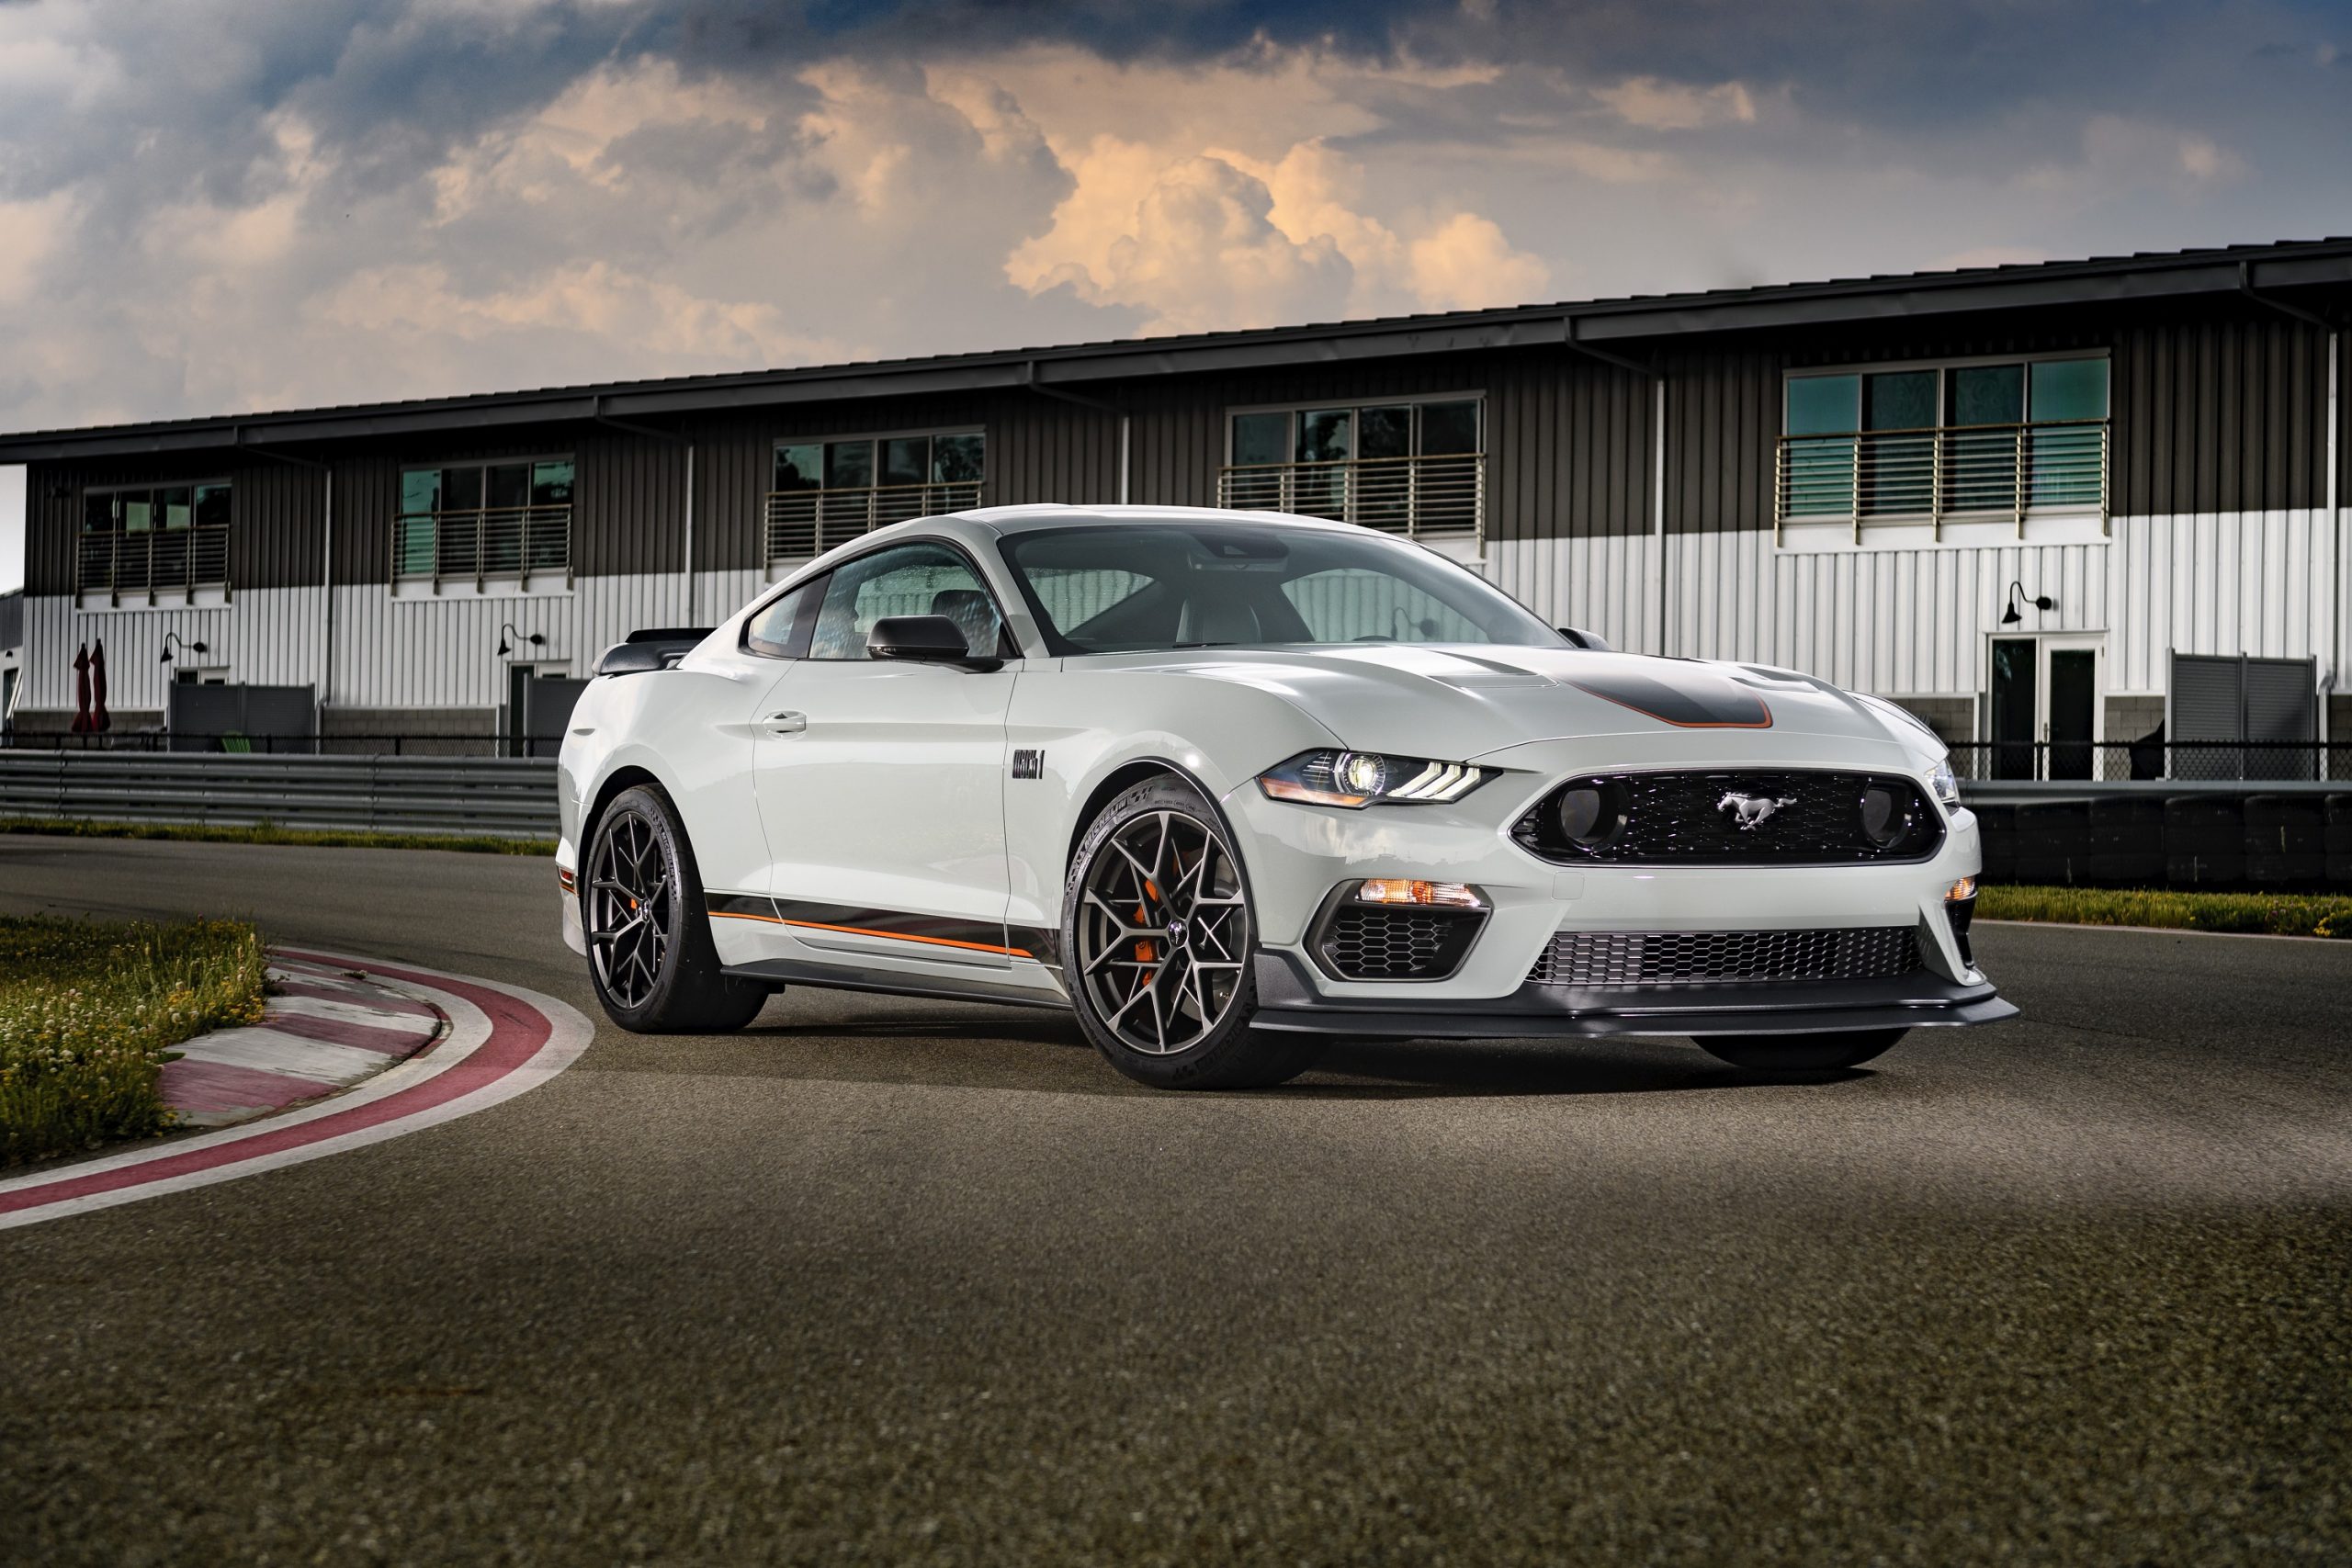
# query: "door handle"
[[787, 723]]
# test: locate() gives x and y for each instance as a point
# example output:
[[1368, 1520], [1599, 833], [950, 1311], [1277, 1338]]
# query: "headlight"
[[1945, 785], [1355, 779]]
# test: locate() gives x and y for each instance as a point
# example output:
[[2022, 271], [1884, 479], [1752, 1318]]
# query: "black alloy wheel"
[[630, 909], [649, 951], [1158, 941]]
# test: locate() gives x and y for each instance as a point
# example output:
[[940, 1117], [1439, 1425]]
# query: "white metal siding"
[[1898, 620]]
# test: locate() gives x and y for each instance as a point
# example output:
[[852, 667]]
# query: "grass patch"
[[2261, 914], [269, 833], [88, 1008]]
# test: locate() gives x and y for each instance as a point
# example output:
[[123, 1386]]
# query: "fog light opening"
[[1965, 888], [1404, 890]]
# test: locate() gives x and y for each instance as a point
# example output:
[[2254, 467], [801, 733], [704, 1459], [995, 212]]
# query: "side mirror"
[[922, 640], [1576, 638], [629, 659]]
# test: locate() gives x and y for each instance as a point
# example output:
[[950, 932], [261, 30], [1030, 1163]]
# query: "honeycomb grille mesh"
[[1812, 818], [1367, 943], [1616, 960]]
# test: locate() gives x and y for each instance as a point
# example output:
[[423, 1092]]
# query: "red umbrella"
[[82, 690], [99, 718]]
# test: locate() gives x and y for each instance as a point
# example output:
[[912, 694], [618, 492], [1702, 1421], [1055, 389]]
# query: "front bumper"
[[1288, 1001], [1298, 856]]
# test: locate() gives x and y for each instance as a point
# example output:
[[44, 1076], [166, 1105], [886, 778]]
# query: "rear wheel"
[[650, 952], [1799, 1052], [1157, 944]]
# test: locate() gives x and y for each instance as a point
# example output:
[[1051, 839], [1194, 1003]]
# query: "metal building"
[[2050, 508]]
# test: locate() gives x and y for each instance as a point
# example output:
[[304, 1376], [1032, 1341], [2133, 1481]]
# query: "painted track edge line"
[[370, 1114]]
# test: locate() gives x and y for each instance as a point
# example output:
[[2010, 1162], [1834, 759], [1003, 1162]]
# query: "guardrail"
[[360, 744], [507, 798], [2251, 762]]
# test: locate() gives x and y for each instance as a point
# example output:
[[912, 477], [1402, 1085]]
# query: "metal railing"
[[1430, 496], [386, 794], [2119, 761], [481, 542], [1969, 472], [806, 523], [118, 561], [361, 743]]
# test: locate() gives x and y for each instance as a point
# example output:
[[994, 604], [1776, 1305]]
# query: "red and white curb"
[[502, 1040], [326, 1029]]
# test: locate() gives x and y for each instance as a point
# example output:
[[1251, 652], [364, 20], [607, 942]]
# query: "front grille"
[[1792, 817], [1615, 959], [1362, 942]]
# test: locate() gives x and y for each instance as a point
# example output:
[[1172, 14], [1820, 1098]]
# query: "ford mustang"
[[1230, 785]]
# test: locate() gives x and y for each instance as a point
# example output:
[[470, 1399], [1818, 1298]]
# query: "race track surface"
[[910, 1281]]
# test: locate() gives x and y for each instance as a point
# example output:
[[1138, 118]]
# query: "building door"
[[2044, 705]]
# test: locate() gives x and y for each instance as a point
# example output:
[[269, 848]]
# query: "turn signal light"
[[1965, 888], [1398, 890]]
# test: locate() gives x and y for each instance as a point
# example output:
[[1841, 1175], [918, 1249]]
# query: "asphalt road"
[[926, 1282]]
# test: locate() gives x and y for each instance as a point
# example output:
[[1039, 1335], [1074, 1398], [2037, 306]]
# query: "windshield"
[[1145, 587]]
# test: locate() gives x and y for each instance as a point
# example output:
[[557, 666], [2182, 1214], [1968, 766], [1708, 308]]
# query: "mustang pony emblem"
[[1750, 810]]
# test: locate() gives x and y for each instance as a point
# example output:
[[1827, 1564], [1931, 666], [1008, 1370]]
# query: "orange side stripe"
[[733, 915], [906, 936]]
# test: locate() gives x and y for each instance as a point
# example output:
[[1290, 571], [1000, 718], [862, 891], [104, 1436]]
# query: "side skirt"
[[849, 977]]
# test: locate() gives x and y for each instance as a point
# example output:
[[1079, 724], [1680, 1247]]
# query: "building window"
[[509, 519], [1407, 467], [824, 493], [150, 540], [1927, 445]]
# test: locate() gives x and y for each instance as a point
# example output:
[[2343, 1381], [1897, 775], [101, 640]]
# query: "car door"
[[880, 783]]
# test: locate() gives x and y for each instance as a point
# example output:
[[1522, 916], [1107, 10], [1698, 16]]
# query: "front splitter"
[[1287, 1002]]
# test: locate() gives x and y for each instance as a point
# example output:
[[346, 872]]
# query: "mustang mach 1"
[[1230, 785]]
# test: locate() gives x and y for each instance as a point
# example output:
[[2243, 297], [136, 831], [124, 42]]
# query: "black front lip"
[[1287, 1002]]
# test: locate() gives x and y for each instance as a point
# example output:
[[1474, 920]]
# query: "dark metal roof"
[[1610, 327]]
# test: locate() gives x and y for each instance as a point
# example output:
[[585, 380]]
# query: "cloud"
[[1654, 105], [244, 204]]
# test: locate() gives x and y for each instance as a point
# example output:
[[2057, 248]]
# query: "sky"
[[232, 205]]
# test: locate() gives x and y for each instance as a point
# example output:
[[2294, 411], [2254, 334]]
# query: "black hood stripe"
[[1691, 699]]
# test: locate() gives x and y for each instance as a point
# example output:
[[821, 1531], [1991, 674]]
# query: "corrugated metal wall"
[[2220, 414], [1567, 436], [266, 636], [274, 513]]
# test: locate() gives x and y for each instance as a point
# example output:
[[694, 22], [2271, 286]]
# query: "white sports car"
[[1229, 785]]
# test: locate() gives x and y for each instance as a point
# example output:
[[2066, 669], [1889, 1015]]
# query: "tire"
[[649, 954], [1156, 916], [1799, 1052]]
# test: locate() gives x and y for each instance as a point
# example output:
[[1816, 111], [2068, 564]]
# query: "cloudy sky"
[[247, 204]]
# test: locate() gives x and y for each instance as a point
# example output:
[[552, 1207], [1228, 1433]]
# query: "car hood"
[[1460, 702]]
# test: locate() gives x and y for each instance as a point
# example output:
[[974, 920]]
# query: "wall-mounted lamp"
[[2009, 616], [536, 639], [172, 639]]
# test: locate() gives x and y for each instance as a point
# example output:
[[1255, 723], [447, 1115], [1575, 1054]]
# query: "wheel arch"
[[1125, 777], [615, 784]]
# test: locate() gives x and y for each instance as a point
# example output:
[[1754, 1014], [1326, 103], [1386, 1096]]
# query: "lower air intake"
[[1616, 960]]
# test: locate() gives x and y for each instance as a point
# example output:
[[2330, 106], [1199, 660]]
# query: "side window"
[[1351, 604], [905, 580], [781, 631]]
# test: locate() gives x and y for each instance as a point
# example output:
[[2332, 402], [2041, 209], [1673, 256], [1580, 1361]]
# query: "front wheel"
[[650, 952], [1799, 1053], [1156, 942]]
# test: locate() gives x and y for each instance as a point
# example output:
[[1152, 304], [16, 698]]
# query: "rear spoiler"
[[657, 648]]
